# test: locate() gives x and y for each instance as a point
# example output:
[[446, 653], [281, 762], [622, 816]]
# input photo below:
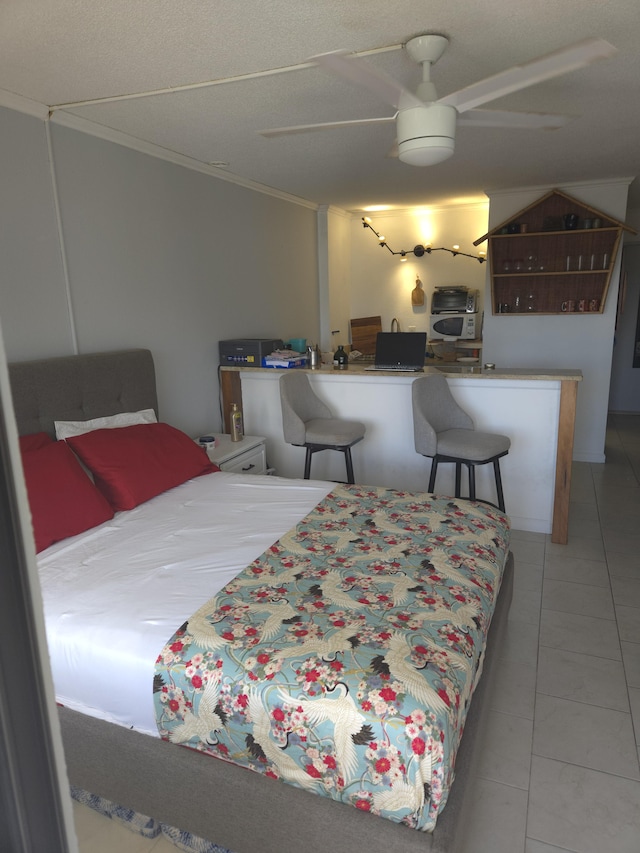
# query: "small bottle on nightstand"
[[237, 431]]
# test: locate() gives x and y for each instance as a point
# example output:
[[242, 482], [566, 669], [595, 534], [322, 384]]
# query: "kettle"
[[313, 356]]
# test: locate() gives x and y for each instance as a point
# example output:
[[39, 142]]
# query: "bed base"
[[250, 813]]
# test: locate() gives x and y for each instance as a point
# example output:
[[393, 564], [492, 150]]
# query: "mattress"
[[112, 599]]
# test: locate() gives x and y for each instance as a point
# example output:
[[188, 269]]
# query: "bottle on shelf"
[[237, 430], [340, 359]]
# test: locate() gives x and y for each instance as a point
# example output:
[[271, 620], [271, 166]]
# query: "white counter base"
[[526, 410]]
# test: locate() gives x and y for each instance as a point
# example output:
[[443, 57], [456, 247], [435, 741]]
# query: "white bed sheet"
[[115, 594]]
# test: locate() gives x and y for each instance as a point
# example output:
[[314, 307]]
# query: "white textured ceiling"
[[253, 55]]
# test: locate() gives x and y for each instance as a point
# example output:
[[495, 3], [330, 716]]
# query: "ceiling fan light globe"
[[426, 151]]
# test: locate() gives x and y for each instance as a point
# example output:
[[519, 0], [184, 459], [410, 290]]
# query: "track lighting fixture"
[[419, 250]]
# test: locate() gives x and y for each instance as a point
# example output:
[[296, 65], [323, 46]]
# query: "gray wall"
[[33, 305], [157, 255]]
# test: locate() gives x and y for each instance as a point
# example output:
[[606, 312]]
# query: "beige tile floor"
[[560, 767]]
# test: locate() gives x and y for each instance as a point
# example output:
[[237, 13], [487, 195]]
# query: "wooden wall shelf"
[[540, 267]]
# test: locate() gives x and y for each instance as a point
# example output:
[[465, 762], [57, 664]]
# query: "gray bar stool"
[[445, 432], [308, 422]]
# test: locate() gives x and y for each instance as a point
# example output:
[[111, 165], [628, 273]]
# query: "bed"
[[109, 722]]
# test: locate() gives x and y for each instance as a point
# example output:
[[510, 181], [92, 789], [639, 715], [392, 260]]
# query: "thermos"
[[237, 431]]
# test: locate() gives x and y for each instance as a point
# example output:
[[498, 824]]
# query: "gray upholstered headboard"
[[80, 387]]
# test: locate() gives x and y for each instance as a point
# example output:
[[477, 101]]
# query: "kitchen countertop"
[[466, 371]]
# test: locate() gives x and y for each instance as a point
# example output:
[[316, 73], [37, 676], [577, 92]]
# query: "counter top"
[[453, 369]]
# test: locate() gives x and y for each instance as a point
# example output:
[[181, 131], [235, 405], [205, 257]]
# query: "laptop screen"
[[401, 348]]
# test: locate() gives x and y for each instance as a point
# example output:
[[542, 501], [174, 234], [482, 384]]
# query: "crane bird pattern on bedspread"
[[344, 658]]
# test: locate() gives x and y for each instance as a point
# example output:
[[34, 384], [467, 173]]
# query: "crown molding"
[[23, 105], [481, 205], [59, 117], [92, 128], [334, 211], [563, 185]]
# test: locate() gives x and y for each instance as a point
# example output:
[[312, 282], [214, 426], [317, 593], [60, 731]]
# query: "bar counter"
[[534, 407]]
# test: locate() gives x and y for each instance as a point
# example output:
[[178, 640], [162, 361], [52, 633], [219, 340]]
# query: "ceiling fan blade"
[[349, 67], [328, 125], [520, 76], [504, 118]]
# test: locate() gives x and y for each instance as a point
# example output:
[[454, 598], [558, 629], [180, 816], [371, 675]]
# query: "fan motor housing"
[[426, 134]]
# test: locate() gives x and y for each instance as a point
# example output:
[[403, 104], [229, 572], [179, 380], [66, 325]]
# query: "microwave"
[[464, 326], [454, 300]]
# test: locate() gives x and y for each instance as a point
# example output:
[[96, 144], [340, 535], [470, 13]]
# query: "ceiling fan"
[[426, 124]]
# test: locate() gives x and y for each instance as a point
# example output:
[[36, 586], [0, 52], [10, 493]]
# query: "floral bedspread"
[[344, 658]]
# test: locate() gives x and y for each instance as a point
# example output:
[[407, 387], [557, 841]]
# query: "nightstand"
[[247, 456]]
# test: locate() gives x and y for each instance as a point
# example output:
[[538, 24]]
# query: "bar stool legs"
[[311, 449], [471, 468]]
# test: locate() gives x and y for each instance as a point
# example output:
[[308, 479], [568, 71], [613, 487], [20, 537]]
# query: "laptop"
[[401, 351]]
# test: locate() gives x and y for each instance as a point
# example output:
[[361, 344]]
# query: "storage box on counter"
[[285, 358]]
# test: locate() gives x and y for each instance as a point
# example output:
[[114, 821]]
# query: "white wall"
[[158, 256], [578, 341], [624, 394], [381, 284], [334, 251]]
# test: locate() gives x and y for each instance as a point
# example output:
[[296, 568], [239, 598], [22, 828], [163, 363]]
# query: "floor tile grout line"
[[535, 691], [572, 651], [573, 613], [587, 704], [586, 767], [501, 782]]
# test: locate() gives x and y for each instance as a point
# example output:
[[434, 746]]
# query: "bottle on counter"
[[237, 429], [340, 359]]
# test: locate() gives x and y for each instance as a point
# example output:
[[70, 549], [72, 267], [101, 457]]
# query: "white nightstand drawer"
[[247, 456], [251, 461]]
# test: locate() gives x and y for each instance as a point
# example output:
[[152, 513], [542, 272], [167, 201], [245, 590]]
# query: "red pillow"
[[62, 498], [131, 465], [34, 441]]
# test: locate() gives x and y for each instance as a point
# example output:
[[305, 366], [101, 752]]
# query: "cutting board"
[[364, 331]]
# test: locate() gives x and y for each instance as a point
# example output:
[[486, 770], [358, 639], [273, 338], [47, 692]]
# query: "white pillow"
[[67, 429]]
